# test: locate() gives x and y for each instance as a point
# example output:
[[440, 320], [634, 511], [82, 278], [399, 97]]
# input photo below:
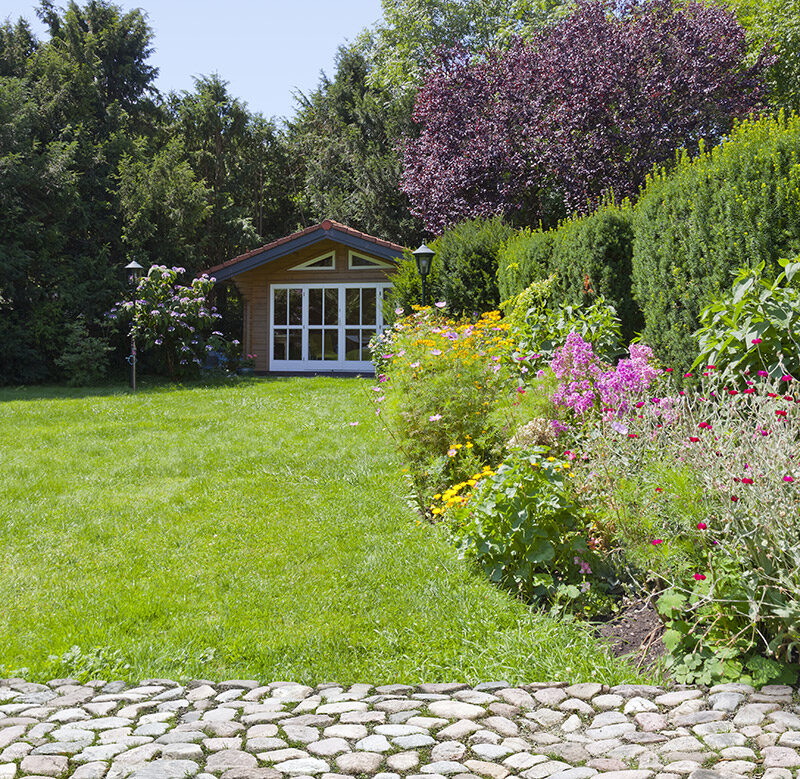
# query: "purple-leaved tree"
[[586, 106]]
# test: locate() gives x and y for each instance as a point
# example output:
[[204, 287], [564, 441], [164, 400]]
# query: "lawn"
[[242, 530]]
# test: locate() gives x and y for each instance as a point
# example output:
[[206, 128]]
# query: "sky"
[[267, 50]]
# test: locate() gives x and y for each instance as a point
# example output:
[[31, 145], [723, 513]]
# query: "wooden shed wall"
[[255, 286]]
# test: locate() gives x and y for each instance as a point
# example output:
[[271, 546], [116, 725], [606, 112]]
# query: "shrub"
[[441, 393], [406, 290], [750, 330], [170, 318], [526, 530], [719, 532], [523, 259], [467, 255], [592, 258], [542, 330], [84, 358], [736, 205]]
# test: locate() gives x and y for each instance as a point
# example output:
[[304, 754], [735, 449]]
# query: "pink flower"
[[762, 373], [353, 424], [436, 352], [756, 341], [787, 377], [788, 479], [415, 365], [657, 541], [398, 311], [440, 304], [702, 526], [699, 577], [434, 418]]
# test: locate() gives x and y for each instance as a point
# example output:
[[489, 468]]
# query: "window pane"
[[315, 344], [352, 345], [279, 345], [367, 306], [352, 299], [325, 262], [331, 306], [295, 306], [315, 306], [331, 344], [279, 307], [296, 344]]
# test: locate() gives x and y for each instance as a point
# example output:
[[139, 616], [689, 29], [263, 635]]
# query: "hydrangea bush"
[[174, 320]]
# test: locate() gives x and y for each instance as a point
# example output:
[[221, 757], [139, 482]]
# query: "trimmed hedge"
[[524, 259], [467, 258], [736, 205], [591, 256]]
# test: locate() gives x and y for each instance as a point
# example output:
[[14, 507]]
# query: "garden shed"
[[314, 299]]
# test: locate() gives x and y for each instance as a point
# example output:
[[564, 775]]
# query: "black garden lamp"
[[424, 257], [134, 271]]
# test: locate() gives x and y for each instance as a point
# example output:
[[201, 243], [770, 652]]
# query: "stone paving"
[[243, 730]]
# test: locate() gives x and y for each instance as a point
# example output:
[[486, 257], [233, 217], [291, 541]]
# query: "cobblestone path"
[[243, 730]]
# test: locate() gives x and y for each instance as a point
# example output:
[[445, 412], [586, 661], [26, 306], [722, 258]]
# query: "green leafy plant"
[[525, 528], [752, 328], [84, 358]]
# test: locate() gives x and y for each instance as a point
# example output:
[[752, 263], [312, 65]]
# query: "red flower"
[[702, 526], [668, 370], [749, 391], [661, 489], [733, 392], [633, 435], [734, 498], [780, 412], [694, 439], [687, 375], [756, 340], [772, 394], [711, 367], [787, 377], [747, 481], [705, 426], [699, 577]]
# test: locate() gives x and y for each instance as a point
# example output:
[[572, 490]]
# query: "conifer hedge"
[[591, 256], [735, 205]]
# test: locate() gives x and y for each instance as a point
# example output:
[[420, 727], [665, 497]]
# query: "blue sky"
[[266, 50]]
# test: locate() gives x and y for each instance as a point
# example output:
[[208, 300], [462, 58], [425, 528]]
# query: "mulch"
[[636, 633]]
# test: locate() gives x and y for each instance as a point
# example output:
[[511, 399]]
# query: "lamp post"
[[134, 274], [424, 257]]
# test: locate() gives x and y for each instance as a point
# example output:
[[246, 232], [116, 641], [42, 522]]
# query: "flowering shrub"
[[170, 318], [725, 523], [525, 528], [441, 389], [752, 328]]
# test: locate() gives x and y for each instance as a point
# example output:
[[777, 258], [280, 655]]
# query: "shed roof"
[[335, 231]]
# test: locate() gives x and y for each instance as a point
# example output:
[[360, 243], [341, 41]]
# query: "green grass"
[[242, 530]]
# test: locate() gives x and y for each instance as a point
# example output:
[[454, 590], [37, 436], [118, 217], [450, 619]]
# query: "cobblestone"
[[240, 729]]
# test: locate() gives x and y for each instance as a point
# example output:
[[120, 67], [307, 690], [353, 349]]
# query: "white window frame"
[[340, 364], [308, 263], [374, 263]]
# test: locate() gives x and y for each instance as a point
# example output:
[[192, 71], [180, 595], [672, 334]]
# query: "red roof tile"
[[325, 225]]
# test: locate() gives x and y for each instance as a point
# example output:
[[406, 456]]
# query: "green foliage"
[[736, 205], [344, 139], [592, 257], [468, 255], [775, 24], [406, 288], [523, 259], [405, 41], [537, 329], [752, 328], [84, 359], [527, 531]]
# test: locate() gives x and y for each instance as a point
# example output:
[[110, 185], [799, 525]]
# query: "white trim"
[[340, 364], [308, 263], [373, 263]]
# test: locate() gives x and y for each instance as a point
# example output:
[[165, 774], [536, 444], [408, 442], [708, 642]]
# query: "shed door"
[[320, 327]]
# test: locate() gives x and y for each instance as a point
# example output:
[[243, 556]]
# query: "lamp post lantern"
[[424, 257], [134, 271]]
